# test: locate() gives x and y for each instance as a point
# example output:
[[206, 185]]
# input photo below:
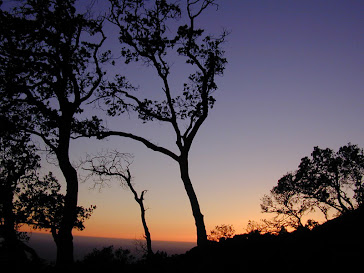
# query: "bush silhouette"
[[107, 259]]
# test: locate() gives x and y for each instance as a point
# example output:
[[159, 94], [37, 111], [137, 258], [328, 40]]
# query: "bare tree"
[[115, 164], [145, 36]]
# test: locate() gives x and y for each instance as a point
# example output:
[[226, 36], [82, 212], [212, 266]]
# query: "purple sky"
[[294, 80]]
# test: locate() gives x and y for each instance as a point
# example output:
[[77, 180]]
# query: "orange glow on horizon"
[[190, 238], [155, 237]]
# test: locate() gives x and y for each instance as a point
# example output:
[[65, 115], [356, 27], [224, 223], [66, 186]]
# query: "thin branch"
[[144, 109], [43, 137], [204, 5], [98, 70], [113, 164]]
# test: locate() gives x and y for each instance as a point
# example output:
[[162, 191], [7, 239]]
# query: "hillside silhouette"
[[336, 244]]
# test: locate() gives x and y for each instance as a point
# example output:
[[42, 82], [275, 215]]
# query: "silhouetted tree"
[[25, 198], [18, 165], [327, 180], [146, 37], [49, 67], [254, 227], [289, 206], [40, 204], [221, 232], [116, 164]]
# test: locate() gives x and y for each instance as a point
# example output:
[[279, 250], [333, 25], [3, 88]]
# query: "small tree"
[[265, 227], [114, 164], [221, 232], [24, 197], [41, 205], [289, 206], [18, 166], [327, 180]]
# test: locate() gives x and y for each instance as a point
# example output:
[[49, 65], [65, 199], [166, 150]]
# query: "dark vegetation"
[[336, 244], [52, 66], [48, 71]]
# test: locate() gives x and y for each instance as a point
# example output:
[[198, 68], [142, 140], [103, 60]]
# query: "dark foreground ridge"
[[336, 244]]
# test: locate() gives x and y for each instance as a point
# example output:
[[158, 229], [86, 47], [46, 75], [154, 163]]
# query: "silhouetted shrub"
[[107, 259], [221, 232]]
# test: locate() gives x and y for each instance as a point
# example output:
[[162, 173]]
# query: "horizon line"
[[111, 237]]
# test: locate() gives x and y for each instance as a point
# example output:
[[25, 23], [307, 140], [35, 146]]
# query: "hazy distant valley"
[[44, 245]]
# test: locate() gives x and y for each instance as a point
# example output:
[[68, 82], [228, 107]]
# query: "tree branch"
[[98, 69], [43, 137], [146, 142]]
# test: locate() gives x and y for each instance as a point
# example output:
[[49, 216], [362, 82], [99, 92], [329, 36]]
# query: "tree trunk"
[[199, 221], [64, 238], [15, 248], [7, 210], [140, 200], [146, 229], [16, 254]]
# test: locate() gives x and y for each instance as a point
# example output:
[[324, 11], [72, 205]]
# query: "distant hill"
[[44, 245]]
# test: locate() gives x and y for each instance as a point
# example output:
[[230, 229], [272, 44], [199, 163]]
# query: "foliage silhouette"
[[115, 164], [275, 226], [145, 37], [336, 244], [25, 197], [48, 70], [40, 205], [18, 167], [221, 232], [327, 180], [265, 227], [107, 259]]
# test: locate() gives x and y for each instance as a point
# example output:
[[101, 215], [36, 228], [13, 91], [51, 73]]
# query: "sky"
[[294, 80]]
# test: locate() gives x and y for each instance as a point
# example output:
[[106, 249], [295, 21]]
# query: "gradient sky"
[[294, 80]]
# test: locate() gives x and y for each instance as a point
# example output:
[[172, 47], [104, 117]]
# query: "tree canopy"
[[40, 204], [326, 181], [49, 67]]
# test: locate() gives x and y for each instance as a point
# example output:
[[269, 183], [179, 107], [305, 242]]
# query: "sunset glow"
[[294, 80]]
